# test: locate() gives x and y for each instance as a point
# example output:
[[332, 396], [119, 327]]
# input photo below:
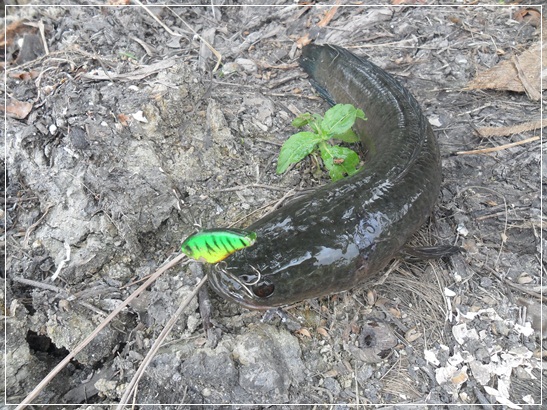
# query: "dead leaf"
[[12, 30], [528, 15], [371, 297], [412, 335], [381, 302], [124, 119], [303, 332], [18, 109], [331, 373], [524, 278], [521, 73], [323, 332], [24, 75], [459, 378], [395, 312]]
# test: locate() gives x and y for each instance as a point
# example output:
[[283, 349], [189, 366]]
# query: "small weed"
[[336, 124]]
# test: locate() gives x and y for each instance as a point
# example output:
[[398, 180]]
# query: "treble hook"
[[236, 279], [259, 275]]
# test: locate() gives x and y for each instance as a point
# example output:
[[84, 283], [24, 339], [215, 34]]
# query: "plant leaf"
[[339, 119], [297, 147], [315, 123], [339, 160], [350, 163], [360, 114], [348, 136], [302, 120]]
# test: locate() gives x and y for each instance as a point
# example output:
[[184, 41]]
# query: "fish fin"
[[312, 55], [323, 92], [430, 252]]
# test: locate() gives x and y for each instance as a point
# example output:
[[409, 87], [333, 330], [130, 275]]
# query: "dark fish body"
[[347, 231]]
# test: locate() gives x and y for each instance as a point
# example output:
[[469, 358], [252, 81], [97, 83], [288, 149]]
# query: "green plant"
[[127, 55], [337, 124]]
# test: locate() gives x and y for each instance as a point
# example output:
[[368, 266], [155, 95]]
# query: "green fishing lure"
[[214, 245]]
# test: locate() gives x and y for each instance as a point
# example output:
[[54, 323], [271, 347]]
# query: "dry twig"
[[500, 148], [153, 350], [34, 225]]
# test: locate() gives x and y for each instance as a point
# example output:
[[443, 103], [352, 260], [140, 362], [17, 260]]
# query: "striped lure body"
[[214, 245]]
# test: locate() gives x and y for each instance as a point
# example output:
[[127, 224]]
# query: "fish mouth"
[[235, 290]]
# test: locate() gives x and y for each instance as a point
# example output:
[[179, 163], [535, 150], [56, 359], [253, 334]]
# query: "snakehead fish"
[[345, 232]]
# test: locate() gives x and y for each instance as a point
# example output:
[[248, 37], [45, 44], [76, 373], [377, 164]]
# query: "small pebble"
[[246, 65], [486, 282], [230, 68]]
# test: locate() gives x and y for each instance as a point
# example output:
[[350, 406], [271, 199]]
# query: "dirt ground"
[[120, 138]]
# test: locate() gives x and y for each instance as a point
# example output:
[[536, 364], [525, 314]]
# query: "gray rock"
[[269, 361]]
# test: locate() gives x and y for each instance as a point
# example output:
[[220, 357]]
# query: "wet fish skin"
[[344, 233]]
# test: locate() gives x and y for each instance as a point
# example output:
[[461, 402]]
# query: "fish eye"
[[263, 289]]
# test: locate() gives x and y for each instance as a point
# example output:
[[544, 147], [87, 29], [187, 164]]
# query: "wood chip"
[[329, 15]]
